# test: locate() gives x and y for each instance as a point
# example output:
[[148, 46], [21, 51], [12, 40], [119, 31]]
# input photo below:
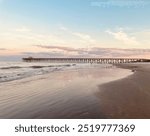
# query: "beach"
[[127, 98], [64, 93], [87, 92]]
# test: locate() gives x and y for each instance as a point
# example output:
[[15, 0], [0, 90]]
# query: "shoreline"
[[57, 95], [127, 98], [79, 94], [69, 69]]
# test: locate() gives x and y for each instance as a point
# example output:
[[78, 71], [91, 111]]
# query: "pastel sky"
[[74, 28]]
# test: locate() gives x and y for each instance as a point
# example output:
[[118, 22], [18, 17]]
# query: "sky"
[[74, 28]]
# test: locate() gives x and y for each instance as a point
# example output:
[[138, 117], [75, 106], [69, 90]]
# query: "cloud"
[[2, 49], [97, 52], [120, 3], [81, 52], [24, 36], [123, 37], [68, 49], [63, 28], [23, 29], [82, 36], [115, 52], [43, 54]]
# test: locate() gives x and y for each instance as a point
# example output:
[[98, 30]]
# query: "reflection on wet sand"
[[62, 94]]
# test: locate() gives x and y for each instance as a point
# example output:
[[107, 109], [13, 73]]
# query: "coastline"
[[62, 94], [127, 98], [80, 94]]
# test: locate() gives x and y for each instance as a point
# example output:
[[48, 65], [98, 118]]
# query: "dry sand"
[[127, 98]]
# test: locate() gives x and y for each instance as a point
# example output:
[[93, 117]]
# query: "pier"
[[86, 60]]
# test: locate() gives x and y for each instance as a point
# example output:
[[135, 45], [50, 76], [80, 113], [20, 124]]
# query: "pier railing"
[[86, 60]]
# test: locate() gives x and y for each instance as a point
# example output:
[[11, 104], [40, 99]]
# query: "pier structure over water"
[[86, 60]]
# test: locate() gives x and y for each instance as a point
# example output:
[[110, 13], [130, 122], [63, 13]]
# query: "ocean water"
[[10, 71]]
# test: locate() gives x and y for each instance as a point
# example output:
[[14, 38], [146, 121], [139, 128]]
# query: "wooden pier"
[[86, 60]]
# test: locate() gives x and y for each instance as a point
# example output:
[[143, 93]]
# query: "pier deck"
[[86, 60]]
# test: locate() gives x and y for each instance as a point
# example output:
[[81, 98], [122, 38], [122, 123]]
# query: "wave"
[[36, 66], [10, 73], [13, 67]]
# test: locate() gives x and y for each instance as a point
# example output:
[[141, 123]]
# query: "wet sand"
[[58, 95], [88, 93], [128, 98]]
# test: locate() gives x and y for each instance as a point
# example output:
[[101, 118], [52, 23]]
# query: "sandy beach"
[[68, 93], [128, 98], [86, 93]]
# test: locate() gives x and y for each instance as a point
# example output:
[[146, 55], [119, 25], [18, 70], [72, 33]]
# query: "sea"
[[10, 71]]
